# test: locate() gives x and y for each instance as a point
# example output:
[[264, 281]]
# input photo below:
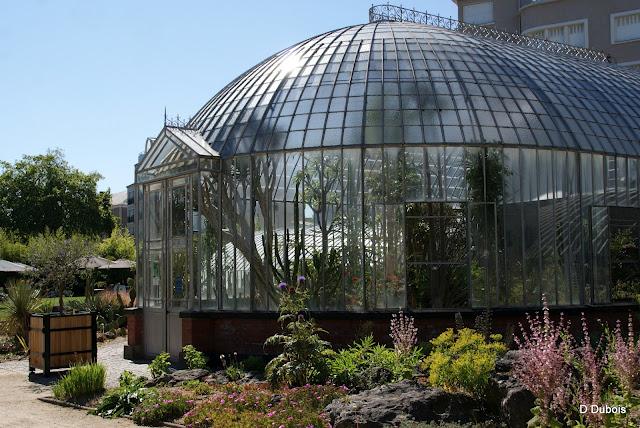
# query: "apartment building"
[[612, 26]]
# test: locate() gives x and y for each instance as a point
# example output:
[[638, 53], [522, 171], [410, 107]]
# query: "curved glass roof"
[[394, 83]]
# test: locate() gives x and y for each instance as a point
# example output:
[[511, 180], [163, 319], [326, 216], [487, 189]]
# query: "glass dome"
[[395, 165], [397, 83]]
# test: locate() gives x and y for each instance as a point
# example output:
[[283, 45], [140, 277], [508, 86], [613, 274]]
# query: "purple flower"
[[282, 286], [301, 278]]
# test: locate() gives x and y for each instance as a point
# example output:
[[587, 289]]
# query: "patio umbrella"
[[13, 267], [119, 264], [92, 262]]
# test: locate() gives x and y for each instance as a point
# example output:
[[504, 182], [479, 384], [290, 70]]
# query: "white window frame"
[[584, 21], [493, 12], [613, 27]]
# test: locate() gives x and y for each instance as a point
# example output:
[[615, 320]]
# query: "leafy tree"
[[11, 248], [55, 257], [120, 245], [44, 191]]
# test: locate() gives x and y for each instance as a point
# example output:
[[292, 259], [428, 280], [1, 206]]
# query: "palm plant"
[[22, 300]]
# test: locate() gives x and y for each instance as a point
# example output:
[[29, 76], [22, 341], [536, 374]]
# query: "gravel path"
[[19, 406]]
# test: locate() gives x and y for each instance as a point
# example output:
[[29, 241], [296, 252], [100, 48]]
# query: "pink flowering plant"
[[403, 333], [258, 406], [544, 366], [623, 358], [566, 375], [161, 405]]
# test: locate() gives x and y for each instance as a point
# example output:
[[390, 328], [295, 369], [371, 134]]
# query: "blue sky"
[[93, 77]]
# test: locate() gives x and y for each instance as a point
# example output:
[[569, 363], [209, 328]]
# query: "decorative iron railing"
[[387, 12]]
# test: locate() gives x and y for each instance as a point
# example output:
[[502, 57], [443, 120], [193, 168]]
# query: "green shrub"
[[197, 387], [233, 369], [109, 307], [463, 360], [160, 406], [366, 364], [302, 358], [82, 381], [123, 399], [160, 365], [22, 300], [254, 363], [194, 358]]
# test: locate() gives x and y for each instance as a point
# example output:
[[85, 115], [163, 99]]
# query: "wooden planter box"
[[60, 340]]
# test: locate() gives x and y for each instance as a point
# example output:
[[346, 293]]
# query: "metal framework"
[[387, 12]]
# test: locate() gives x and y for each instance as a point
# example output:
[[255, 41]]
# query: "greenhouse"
[[392, 165]]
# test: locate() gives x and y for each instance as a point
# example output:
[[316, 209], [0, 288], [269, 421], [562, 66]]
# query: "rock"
[[508, 399], [516, 407], [110, 334], [178, 376], [221, 378], [187, 375], [505, 364], [392, 404]]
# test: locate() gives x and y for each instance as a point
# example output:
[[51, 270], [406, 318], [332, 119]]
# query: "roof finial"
[[165, 115]]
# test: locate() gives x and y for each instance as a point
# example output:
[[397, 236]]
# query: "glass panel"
[[621, 175], [513, 239], [209, 242], [531, 232], [352, 227], [154, 294], [436, 251], [600, 245]]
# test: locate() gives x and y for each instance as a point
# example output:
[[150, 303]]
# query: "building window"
[[634, 65], [478, 13], [570, 33], [625, 26]]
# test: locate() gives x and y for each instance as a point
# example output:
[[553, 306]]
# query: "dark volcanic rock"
[[394, 403], [178, 376], [505, 364], [506, 397]]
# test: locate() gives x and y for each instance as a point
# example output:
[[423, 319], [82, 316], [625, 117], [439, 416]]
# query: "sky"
[[93, 77]]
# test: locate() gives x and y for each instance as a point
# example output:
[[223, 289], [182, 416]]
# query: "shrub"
[[366, 364], [302, 359], [82, 381], [256, 406], [160, 406], [194, 358], [463, 360], [403, 333], [22, 300], [109, 307], [623, 358], [123, 399], [253, 364], [543, 366], [160, 365], [197, 387], [233, 370]]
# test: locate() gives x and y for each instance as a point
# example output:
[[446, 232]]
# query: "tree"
[[11, 248], [120, 245], [44, 191], [56, 259]]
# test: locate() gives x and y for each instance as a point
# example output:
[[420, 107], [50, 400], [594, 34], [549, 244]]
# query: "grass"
[[48, 302], [82, 381]]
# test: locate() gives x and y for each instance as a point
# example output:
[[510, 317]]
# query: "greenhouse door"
[[178, 250], [154, 269]]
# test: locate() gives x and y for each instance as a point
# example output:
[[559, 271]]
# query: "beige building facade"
[[611, 26]]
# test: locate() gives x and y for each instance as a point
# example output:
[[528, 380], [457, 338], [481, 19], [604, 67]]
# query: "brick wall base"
[[134, 348], [224, 333]]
